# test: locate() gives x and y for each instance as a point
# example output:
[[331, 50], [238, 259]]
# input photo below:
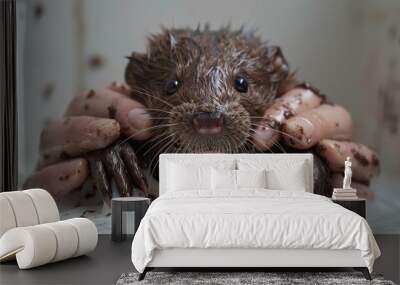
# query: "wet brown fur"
[[206, 62]]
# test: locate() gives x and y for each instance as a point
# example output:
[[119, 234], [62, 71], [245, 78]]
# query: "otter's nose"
[[206, 123]]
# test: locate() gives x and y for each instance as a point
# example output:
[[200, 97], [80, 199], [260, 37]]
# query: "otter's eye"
[[172, 86], [241, 84]]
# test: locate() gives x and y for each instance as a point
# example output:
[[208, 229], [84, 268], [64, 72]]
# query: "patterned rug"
[[243, 278]]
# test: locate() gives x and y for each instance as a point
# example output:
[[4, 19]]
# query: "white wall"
[[50, 59]]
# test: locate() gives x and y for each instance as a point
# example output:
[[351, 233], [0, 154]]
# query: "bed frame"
[[248, 259]]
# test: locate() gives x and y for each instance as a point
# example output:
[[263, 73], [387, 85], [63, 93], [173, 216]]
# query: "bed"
[[245, 211]]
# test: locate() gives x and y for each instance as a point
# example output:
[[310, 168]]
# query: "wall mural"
[[193, 90], [383, 88], [196, 91]]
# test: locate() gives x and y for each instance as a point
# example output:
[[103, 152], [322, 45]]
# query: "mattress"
[[251, 219]]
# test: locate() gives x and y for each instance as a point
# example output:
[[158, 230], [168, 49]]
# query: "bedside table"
[[127, 212], [358, 206]]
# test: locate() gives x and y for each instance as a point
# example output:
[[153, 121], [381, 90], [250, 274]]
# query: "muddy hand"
[[303, 119], [84, 143]]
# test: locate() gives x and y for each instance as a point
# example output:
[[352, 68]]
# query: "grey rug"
[[232, 278]]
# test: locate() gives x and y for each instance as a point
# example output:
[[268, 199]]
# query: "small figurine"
[[347, 174]]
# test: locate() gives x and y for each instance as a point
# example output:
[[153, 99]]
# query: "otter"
[[206, 92], [210, 88]]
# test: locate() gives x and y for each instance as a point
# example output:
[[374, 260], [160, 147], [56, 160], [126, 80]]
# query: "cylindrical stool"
[[123, 210]]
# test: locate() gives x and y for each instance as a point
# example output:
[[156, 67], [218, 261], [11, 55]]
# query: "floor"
[[103, 266], [110, 260]]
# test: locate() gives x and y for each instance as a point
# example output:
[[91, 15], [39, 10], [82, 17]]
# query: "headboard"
[[212, 159]]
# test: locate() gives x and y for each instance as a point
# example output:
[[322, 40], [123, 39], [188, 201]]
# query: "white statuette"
[[347, 174]]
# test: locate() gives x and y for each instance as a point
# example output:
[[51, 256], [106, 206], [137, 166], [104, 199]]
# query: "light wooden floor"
[[110, 260]]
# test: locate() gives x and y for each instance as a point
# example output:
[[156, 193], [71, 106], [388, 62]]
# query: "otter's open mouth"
[[208, 123], [200, 128]]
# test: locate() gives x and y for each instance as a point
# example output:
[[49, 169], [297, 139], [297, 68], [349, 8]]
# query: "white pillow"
[[231, 180], [183, 177], [251, 178], [294, 180], [223, 179], [282, 174]]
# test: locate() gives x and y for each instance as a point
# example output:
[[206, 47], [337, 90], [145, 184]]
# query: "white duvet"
[[250, 219]]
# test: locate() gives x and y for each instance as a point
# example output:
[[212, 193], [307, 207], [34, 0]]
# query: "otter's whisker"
[[152, 96], [245, 146], [185, 149], [158, 136], [155, 156], [159, 110], [157, 143], [256, 117], [263, 143], [159, 118], [279, 132], [147, 129], [280, 146], [162, 149]]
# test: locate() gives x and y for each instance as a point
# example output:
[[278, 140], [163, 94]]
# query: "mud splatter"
[[316, 91], [38, 10], [271, 123], [91, 94], [287, 113], [375, 160], [360, 157], [48, 91], [64, 177], [96, 61], [112, 111], [64, 155], [321, 148]]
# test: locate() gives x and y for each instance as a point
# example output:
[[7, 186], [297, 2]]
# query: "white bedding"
[[252, 218]]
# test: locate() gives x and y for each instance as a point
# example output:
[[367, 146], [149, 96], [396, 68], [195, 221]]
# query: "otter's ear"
[[137, 68], [186, 51], [276, 64]]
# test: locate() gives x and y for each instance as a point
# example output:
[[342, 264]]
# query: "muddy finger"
[[74, 136], [324, 122], [294, 102], [120, 88], [61, 178], [108, 103], [365, 162]]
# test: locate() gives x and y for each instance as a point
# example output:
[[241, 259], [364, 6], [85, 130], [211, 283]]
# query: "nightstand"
[[358, 206], [127, 212]]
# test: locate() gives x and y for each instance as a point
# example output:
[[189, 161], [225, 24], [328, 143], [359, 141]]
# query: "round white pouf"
[[32, 246], [46, 207], [87, 234], [7, 218], [23, 208], [40, 244], [67, 240]]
